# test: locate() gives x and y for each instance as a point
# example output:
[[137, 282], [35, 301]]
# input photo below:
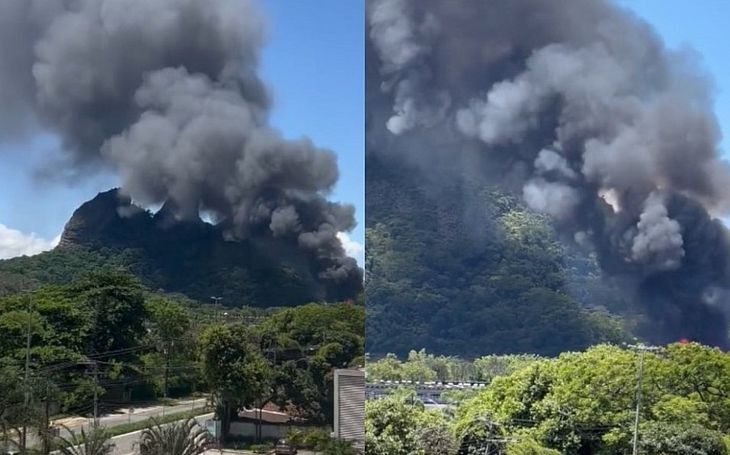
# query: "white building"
[[350, 407]]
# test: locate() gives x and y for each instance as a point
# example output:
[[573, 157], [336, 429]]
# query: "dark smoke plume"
[[167, 93], [577, 106]]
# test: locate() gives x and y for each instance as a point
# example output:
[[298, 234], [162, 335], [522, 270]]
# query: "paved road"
[[124, 416]]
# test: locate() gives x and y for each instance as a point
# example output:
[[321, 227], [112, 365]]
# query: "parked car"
[[284, 447]]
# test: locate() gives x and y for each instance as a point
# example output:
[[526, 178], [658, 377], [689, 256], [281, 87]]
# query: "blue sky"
[[314, 65]]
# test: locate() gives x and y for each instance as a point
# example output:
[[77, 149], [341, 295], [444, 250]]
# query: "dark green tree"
[[236, 371]]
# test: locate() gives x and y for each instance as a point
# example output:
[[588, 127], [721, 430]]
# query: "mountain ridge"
[[193, 257]]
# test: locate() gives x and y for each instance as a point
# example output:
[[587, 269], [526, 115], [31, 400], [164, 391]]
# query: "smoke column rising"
[[166, 93], [577, 106]]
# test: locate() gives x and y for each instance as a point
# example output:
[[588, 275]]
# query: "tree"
[[167, 320], [168, 323], [178, 438], [93, 442], [235, 369], [529, 447], [584, 402], [681, 440], [11, 397], [116, 305], [320, 338], [398, 425]]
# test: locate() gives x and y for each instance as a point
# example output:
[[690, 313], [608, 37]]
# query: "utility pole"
[[96, 394], [641, 349], [95, 372], [168, 348], [167, 368], [47, 422], [26, 399]]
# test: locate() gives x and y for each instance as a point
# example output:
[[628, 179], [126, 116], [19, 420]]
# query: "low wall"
[[247, 428]]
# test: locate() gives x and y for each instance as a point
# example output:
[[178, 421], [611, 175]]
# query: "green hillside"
[[466, 269], [192, 258]]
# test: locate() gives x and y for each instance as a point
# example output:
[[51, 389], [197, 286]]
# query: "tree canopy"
[[583, 403]]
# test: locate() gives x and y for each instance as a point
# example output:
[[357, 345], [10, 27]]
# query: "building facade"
[[350, 407]]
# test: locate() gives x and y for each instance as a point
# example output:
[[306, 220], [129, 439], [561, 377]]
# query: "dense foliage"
[[106, 332], [197, 278], [421, 366], [401, 425], [465, 269], [580, 403]]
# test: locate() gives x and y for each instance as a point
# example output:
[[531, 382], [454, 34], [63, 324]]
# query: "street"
[[120, 418]]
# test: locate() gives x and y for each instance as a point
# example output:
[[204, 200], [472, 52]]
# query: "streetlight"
[[216, 300]]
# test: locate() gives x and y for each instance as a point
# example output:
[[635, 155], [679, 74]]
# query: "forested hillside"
[[189, 257], [465, 269]]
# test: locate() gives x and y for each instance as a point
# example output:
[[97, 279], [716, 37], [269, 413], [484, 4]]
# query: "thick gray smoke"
[[577, 106], [167, 93]]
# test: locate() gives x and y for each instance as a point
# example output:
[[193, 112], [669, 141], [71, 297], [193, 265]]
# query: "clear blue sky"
[[314, 65]]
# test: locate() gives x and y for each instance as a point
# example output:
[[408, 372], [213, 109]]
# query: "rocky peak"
[[98, 216]]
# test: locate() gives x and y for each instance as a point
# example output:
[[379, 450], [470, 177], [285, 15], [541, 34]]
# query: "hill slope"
[[192, 258], [467, 270]]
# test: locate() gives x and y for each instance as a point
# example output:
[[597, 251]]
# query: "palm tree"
[[178, 438], [95, 442]]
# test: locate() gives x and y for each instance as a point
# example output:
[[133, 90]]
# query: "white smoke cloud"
[[553, 198], [549, 161], [15, 243], [659, 239], [353, 248]]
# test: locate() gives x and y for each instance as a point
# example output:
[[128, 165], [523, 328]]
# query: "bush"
[[312, 439], [529, 447], [262, 448], [682, 440]]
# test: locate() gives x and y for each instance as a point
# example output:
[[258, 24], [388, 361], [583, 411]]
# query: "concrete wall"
[[268, 430]]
